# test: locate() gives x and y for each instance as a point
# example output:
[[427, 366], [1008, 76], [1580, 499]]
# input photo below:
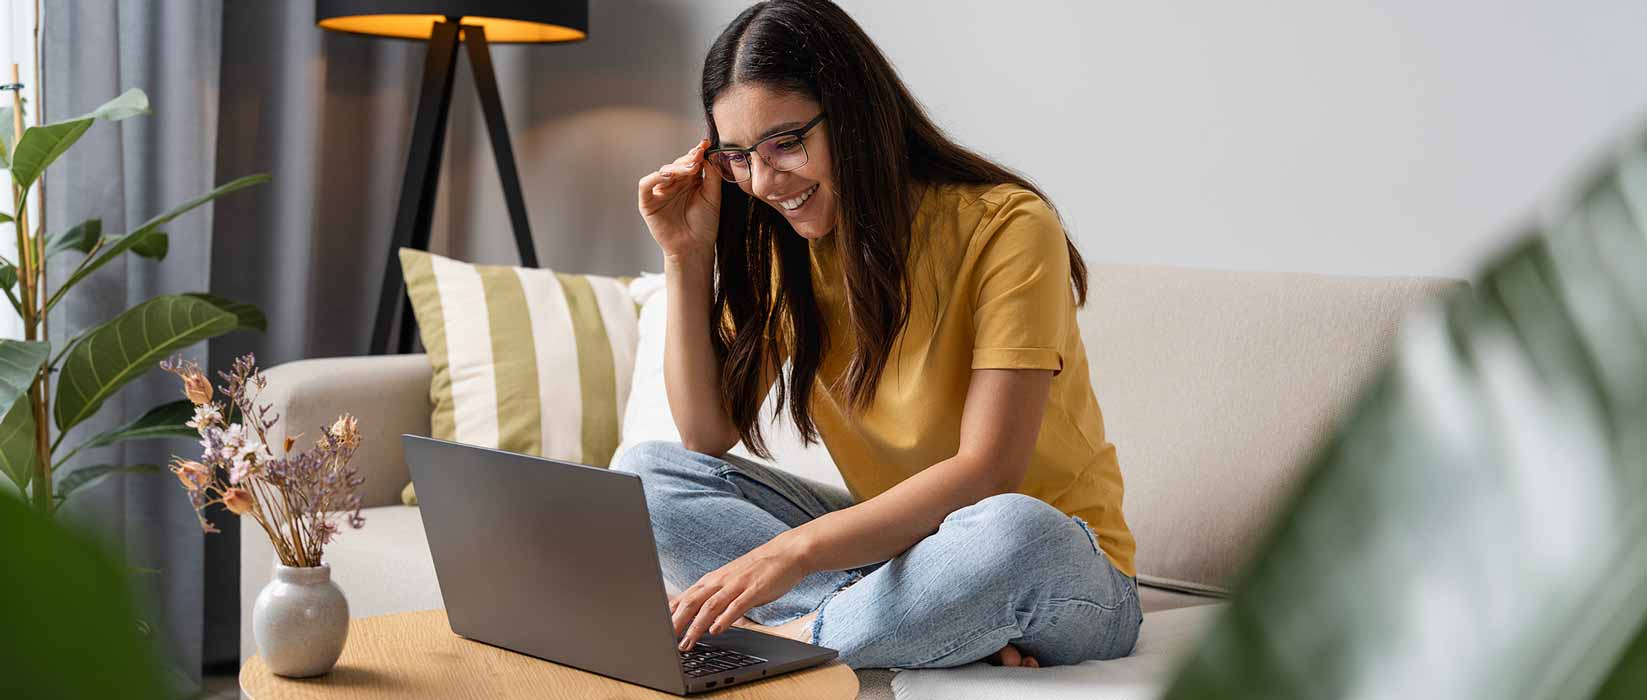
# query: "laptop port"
[[712, 683]]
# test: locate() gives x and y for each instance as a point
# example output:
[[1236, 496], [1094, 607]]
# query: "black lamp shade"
[[506, 21]]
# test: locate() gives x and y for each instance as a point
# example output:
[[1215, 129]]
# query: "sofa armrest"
[[389, 394]]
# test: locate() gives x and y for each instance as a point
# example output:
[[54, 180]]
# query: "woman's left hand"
[[711, 605]]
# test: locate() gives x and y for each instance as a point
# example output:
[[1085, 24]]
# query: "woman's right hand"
[[681, 203]]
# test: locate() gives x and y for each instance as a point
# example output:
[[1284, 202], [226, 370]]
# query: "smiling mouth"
[[794, 203]]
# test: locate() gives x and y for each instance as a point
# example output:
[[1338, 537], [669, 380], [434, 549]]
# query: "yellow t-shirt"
[[989, 288]]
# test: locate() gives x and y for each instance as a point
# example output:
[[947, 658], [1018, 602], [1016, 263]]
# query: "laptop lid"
[[547, 558]]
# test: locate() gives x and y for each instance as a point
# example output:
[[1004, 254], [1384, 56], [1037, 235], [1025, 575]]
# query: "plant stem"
[[65, 349], [20, 220], [40, 185], [28, 274], [287, 549], [42, 435], [42, 427], [85, 260], [294, 526], [259, 497], [65, 458], [275, 533]]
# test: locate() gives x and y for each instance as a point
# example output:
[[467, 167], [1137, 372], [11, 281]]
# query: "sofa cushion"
[[1216, 387], [1162, 641], [525, 360]]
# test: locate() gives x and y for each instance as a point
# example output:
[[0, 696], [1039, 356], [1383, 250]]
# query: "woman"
[[923, 299]]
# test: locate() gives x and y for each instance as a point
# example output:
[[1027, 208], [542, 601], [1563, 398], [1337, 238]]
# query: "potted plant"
[[99, 361], [301, 619]]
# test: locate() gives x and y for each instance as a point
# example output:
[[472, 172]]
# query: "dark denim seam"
[[1083, 601]]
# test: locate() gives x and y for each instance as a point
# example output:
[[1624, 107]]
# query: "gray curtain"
[[126, 173], [244, 87]]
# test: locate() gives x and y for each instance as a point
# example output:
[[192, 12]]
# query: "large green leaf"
[[165, 420], [130, 103], [20, 361], [1478, 528], [110, 355], [18, 454], [82, 237], [85, 476], [114, 246], [41, 145], [8, 275]]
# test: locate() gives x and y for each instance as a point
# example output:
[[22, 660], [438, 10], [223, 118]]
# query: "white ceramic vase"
[[300, 621]]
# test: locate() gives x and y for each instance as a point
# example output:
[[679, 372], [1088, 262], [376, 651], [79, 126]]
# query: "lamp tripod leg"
[[415, 212], [491, 105]]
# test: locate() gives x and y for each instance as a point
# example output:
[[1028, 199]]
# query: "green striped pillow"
[[515, 349]]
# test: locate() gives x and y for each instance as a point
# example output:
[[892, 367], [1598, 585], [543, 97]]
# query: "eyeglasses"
[[782, 152]]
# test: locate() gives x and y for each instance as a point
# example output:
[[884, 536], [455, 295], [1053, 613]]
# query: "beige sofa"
[[1215, 386]]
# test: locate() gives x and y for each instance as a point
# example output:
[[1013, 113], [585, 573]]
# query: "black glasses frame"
[[799, 133]]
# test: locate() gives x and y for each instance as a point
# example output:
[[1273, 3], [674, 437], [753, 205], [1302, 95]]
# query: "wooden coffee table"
[[416, 655]]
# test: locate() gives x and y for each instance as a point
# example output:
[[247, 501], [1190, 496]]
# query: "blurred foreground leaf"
[[1478, 529], [70, 630]]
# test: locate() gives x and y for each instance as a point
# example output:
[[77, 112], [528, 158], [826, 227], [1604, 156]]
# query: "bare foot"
[[798, 630], [1010, 656]]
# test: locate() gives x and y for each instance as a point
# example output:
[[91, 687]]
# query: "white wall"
[[1349, 136]]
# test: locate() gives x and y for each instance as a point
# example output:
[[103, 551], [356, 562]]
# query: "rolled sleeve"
[[1024, 300], [1018, 358]]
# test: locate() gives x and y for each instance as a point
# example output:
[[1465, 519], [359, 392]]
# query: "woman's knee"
[[1011, 534], [668, 472], [659, 458], [1013, 516]]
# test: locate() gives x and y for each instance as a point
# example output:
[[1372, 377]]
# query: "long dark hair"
[[883, 145]]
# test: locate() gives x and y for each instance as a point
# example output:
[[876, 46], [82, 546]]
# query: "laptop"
[[556, 560]]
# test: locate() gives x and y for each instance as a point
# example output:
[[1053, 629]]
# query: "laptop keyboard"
[[703, 659]]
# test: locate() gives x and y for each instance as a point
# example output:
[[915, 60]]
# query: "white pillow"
[[647, 416]]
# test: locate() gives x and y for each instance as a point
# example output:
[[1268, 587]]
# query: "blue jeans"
[[1010, 568]]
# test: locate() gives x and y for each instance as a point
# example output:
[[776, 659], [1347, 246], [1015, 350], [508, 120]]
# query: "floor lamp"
[[444, 24]]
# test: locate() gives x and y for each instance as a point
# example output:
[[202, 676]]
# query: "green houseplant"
[[97, 362]]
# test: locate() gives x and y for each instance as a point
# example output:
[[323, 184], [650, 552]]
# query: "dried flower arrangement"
[[298, 499]]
